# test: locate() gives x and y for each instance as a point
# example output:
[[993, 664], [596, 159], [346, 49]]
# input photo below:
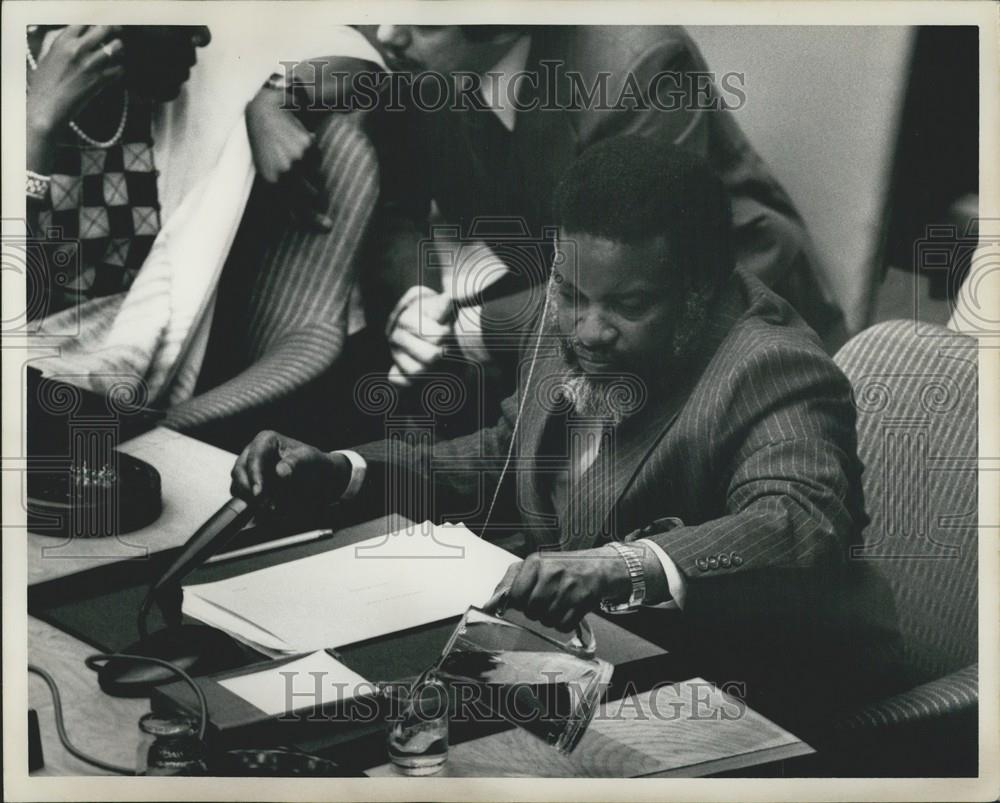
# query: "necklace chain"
[[94, 143]]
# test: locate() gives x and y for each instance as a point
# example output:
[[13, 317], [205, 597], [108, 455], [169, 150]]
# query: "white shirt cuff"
[[675, 580], [358, 470]]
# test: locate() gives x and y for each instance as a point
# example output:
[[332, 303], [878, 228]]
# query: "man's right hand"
[[417, 330], [293, 475]]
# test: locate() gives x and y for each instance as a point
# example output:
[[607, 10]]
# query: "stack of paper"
[[310, 682], [379, 586]]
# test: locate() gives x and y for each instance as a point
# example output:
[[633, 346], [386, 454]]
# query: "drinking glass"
[[417, 725]]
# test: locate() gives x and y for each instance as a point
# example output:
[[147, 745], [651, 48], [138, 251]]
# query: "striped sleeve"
[[790, 485], [298, 321]]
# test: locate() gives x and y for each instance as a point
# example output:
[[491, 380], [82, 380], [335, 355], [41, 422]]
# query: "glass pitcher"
[[547, 687]]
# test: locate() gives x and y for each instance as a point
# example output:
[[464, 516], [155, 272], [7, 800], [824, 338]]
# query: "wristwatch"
[[633, 561]]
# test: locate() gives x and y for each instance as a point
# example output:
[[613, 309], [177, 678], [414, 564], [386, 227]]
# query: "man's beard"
[[603, 399], [613, 397]]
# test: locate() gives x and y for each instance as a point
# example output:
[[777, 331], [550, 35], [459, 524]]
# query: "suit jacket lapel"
[[604, 484], [540, 407], [587, 518]]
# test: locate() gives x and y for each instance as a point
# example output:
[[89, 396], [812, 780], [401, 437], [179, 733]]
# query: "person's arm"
[[665, 585], [304, 482], [282, 119], [82, 60], [792, 496], [303, 319], [792, 507], [285, 156], [457, 477], [347, 84]]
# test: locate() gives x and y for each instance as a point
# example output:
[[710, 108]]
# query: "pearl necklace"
[[94, 143]]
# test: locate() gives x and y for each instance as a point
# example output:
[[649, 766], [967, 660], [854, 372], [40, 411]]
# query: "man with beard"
[[680, 445]]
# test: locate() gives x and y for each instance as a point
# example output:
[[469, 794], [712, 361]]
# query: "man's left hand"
[[559, 588]]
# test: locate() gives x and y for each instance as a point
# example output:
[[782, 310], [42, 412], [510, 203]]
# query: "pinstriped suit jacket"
[[753, 449]]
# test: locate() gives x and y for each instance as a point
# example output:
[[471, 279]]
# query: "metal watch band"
[[633, 561]]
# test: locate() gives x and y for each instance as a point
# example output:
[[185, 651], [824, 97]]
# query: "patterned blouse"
[[102, 212]]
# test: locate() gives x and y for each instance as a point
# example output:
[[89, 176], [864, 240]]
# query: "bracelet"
[[38, 185], [637, 579]]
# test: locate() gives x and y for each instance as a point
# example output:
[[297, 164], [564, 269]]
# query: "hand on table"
[[286, 156], [559, 588], [292, 475], [417, 330]]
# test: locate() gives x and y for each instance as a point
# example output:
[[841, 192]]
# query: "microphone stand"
[[197, 649]]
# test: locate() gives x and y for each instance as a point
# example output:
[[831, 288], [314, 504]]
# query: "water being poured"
[[530, 680]]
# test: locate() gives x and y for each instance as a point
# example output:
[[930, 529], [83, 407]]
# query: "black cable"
[[61, 727], [91, 663]]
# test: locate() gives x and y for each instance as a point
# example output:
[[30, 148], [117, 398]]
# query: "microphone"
[[208, 539], [197, 649]]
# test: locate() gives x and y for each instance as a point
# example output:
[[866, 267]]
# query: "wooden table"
[[687, 729]]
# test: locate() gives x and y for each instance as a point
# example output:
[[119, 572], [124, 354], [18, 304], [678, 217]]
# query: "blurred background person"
[[499, 156]]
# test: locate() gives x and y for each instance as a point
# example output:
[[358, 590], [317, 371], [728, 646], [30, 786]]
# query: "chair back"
[[915, 389]]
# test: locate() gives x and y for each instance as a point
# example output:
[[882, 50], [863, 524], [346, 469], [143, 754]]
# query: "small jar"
[[169, 745]]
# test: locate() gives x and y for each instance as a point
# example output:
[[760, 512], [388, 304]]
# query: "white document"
[[365, 590], [314, 680]]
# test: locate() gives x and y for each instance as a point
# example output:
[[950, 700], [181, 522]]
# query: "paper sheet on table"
[[315, 680], [383, 585]]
